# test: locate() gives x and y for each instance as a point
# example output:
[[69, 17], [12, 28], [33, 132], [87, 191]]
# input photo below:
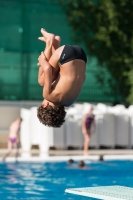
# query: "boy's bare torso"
[[68, 83]]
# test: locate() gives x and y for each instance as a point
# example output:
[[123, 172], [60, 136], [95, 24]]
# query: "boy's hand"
[[41, 59]]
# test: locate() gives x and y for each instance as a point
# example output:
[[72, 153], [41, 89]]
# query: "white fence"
[[114, 127]]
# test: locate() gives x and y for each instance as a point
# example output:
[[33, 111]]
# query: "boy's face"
[[46, 103]]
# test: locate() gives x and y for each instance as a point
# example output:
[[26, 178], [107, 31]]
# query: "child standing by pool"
[[87, 122], [13, 140]]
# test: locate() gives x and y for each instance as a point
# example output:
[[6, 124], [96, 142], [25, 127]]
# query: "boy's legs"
[[56, 43], [49, 37], [52, 43]]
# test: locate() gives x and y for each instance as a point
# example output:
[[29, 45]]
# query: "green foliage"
[[105, 28]]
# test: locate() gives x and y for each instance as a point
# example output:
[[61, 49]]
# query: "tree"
[[105, 28]]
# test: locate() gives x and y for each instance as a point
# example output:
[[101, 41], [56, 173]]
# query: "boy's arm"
[[48, 93], [41, 76], [40, 70], [47, 81]]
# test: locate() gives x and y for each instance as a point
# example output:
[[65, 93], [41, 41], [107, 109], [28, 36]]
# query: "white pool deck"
[[64, 155]]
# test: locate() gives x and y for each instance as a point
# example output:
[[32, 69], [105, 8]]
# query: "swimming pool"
[[38, 181]]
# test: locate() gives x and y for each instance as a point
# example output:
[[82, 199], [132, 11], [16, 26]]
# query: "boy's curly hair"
[[51, 116]]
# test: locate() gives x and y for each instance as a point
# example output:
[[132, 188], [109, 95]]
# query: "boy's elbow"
[[46, 94]]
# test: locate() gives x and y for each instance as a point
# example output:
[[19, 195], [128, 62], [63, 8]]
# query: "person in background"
[[82, 165], [13, 139], [101, 158], [87, 122], [70, 161]]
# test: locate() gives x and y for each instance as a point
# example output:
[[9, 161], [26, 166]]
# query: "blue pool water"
[[40, 181]]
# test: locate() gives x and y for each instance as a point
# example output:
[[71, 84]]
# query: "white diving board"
[[104, 192]]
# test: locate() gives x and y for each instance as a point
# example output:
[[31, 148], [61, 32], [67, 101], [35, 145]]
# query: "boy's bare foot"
[[56, 42], [47, 36]]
